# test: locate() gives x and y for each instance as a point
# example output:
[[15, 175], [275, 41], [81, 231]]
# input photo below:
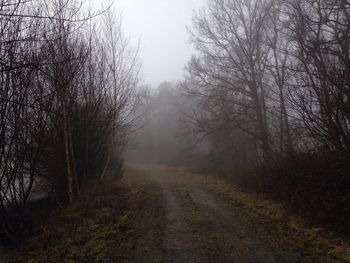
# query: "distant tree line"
[[68, 95], [158, 139], [270, 87]]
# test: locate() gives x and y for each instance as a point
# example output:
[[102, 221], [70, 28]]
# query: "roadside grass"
[[276, 223], [113, 221]]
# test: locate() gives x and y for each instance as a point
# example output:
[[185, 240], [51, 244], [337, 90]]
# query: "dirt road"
[[200, 227], [163, 214]]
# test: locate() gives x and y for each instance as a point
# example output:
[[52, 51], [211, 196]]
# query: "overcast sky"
[[161, 27]]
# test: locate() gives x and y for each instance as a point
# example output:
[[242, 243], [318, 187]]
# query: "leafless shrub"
[[67, 98]]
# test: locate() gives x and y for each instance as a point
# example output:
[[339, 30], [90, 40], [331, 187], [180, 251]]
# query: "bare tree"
[[321, 34], [122, 71], [278, 69], [23, 112], [229, 76], [67, 98], [66, 56]]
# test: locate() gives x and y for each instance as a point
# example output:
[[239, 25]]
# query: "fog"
[[145, 131], [261, 102], [161, 28]]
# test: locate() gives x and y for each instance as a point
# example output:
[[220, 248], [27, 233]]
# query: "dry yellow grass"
[[277, 221], [107, 224]]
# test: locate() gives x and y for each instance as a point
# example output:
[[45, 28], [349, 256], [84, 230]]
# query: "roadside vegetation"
[[265, 104], [68, 95], [269, 92], [113, 221], [293, 235]]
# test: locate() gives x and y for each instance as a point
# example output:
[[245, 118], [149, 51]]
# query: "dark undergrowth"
[[113, 221], [316, 187]]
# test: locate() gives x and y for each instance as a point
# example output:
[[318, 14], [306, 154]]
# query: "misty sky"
[[161, 27]]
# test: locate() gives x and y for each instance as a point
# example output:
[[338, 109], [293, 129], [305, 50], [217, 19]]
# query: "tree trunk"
[[285, 123], [70, 177], [106, 166], [86, 157], [76, 187], [264, 135]]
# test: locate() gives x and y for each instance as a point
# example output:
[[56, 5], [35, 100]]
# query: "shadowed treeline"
[[68, 81], [266, 102]]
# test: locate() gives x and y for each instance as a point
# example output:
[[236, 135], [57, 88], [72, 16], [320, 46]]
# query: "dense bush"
[[68, 94], [316, 186]]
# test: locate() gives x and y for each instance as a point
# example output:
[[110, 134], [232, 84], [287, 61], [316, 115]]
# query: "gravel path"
[[200, 227]]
